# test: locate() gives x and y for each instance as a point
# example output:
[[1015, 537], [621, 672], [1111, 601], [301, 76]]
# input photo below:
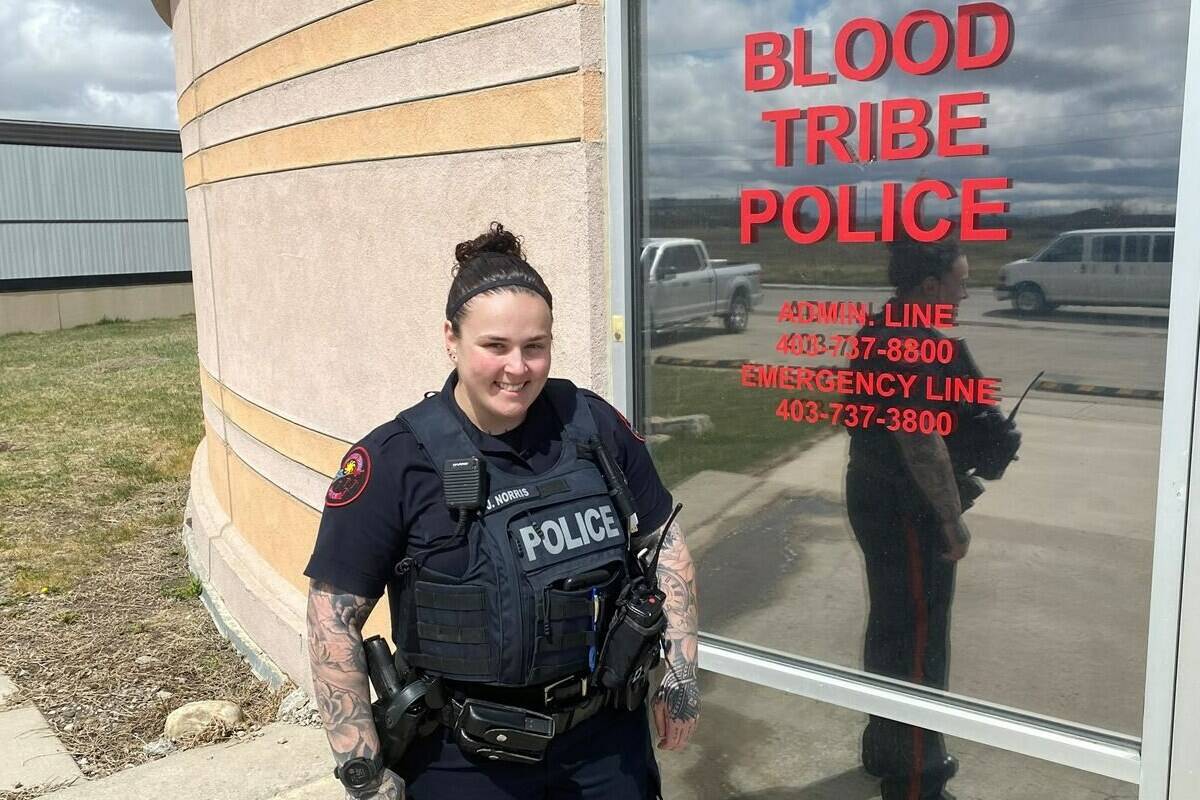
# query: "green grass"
[[186, 588], [98, 425], [746, 437]]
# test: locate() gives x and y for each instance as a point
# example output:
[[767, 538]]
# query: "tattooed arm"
[[676, 704], [928, 463], [340, 683]]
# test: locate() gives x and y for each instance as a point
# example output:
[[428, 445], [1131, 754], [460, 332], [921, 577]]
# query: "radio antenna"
[[666, 527], [1024, 394]]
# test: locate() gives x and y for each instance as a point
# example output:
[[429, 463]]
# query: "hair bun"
[[496, 240]]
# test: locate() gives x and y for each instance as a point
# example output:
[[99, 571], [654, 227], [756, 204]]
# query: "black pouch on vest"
[[496, 732], [631, 648]]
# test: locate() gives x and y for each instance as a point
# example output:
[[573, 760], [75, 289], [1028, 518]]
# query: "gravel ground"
[[107, 661]]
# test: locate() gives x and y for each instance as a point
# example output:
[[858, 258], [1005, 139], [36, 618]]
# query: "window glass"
[[825, 443], [1137, 248], [1164, 247], [689, 258], [670, 261], [757, 743], [647, 258], [1068, 248], [1106, 248]]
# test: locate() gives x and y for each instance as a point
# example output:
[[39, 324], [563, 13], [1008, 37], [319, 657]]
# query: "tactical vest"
[[508, 620]]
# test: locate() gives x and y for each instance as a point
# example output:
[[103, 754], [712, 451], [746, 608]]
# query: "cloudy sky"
[[105, 62], [1086, 109]]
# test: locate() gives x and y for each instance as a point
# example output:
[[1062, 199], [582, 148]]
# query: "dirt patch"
[[107, 660]]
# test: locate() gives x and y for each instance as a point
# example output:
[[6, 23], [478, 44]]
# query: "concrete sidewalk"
[[282, 762], [33, 755]]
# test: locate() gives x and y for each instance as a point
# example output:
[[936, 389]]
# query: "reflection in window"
[[1164, 249], [757, 743], [1050, 603], [1106, 248], [1068, 248], [1137, 248]]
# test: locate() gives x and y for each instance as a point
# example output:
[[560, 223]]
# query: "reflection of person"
[[503, 607], [904, 506]]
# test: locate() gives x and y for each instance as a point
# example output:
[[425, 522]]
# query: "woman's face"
[[503, 357]]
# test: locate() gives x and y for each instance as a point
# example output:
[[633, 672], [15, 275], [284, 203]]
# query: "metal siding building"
[[87, 208]]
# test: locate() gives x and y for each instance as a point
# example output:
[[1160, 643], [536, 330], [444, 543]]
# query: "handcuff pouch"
[[496, 732]]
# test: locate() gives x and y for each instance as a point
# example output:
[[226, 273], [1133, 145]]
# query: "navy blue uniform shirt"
[[875, 446], [392, 506]]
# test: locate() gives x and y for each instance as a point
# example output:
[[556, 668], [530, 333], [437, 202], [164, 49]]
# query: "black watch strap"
[[360, 774]]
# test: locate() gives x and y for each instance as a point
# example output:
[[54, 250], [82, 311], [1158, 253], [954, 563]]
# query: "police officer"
[[903, 498], [505, 601]]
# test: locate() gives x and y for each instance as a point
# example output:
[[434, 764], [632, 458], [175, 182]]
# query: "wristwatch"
[[360, 774]]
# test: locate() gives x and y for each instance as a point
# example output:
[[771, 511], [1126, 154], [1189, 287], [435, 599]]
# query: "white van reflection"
[[1100, 267]]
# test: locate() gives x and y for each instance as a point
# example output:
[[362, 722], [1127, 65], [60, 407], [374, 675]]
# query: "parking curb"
[[1062, 387]]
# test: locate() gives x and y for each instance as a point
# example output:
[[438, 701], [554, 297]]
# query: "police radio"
[[990, 439], [632, 647]]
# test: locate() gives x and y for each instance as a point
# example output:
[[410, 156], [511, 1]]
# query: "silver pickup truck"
[[683, 285]]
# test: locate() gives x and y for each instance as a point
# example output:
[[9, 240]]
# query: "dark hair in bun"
[[911, 262], [489, 263]]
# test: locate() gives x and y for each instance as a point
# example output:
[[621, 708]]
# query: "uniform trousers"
[[608, 756], [908, 626]]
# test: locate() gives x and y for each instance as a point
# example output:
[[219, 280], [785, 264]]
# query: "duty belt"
[[497, 731]]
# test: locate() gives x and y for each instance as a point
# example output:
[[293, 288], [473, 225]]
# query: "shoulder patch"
[[602, 403], [351, 478], [632, 429]]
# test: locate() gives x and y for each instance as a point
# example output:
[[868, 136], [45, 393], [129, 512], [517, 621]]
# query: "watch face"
[[358, 772]]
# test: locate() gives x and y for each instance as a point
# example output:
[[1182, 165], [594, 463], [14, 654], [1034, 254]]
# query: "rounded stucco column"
[[334, 154]]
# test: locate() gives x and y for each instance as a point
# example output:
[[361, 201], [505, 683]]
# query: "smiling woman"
[[496, 597], [502, 347]]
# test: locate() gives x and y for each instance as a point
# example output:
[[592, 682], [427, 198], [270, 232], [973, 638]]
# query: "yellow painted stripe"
[[218, 467], [210, 387], [188, 110], [356, 32], [313, 449], [279, 527], [535, 112]]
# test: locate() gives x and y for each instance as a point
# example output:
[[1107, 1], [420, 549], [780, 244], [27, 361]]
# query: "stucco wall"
[[334, 154]]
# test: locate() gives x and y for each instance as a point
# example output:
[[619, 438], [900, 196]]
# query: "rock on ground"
[[299, 709], [193, 718], [159, 747]]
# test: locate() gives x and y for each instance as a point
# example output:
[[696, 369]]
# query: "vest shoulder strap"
[[571, 405], [440, 434], [437, 431]]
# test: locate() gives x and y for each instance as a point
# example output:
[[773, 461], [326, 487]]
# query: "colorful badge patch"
[[632, 430], [351, 478]]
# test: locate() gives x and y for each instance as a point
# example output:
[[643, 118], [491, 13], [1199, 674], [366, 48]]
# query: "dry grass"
[[98, 612]]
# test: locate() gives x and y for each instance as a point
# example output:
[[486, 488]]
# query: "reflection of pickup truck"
[[683, 285]]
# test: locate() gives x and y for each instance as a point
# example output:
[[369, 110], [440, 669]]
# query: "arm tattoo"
[[339, 670], [929, 464], [680, 689]]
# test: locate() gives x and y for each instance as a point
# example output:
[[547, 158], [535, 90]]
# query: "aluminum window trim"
[[620, 196], [1170, 727], [1092, 750]]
